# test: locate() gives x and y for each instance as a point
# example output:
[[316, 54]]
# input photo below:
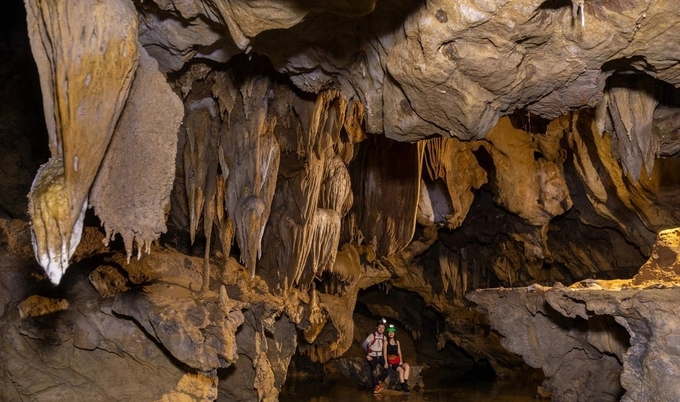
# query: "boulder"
[[357, 368]]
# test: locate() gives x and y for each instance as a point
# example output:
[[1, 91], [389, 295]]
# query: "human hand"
[[369, 358]]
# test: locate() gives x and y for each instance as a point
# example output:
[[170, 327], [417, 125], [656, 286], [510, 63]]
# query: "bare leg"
[[401, 374], [407, 371]]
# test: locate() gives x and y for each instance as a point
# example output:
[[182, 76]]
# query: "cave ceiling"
[[436, 146], [305, 129], [407, 71]]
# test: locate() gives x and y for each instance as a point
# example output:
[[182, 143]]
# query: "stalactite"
[[448, 266], [317, 193], [442, 160], [347, 267], [208, 219], [294, 257], [49, 207], [225, 91], [310, 186], [224, 225], [475, 275], [86, 67], [200, 159], [354, 121], [631, 109], [432, 160], [336, 187], [464, 273], [425, 214], [325, 122], [249, 214], [388, 227], [131, 193], [251, 155], [353, 128], [454, 270], [324, 240]]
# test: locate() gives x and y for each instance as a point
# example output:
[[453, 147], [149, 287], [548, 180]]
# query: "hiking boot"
[[404, 387], [379, 387]]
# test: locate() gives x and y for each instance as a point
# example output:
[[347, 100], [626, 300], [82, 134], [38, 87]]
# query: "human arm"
[[384, 353], [401, 359], [366, 345]]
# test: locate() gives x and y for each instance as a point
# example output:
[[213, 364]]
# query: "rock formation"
[[597, 339], [292, 168]]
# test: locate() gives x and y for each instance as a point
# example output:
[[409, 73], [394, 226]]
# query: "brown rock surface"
[[86, 67], [358, 159], [597, 340]]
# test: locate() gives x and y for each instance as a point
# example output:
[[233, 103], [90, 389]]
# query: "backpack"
[[368, 344]]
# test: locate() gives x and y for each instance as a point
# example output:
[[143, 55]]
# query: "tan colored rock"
[[192, 387], [246, 20], [443, 159], [131, 193], [86, 66], [108, 281], [663, 267], [251, 160], [186, 327], [35, 306], [530, 186]]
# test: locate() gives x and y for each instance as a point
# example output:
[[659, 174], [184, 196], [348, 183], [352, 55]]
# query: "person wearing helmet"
[[373, 346], [394, 361]]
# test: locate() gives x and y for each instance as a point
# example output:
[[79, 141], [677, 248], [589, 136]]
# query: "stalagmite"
[[86, 66]]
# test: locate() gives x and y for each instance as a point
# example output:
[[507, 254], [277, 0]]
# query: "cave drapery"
[[275, 160]]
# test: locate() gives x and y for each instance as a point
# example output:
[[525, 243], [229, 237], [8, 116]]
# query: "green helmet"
[[390, 328]]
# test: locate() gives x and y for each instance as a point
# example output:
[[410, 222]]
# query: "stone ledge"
[[358, 369]]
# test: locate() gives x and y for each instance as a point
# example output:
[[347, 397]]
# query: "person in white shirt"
[[373, 346]]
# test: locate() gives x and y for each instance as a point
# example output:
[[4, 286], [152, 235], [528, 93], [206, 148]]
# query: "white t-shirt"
[[373, 345]]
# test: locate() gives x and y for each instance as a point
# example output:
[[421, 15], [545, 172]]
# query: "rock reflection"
[[346, 390]]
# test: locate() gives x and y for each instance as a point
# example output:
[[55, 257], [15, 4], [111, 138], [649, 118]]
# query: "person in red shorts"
[[393, 358]]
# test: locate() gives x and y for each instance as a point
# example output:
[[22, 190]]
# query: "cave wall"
[[436, 147]]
